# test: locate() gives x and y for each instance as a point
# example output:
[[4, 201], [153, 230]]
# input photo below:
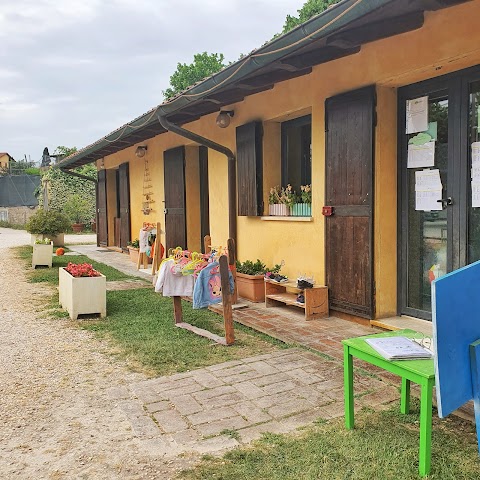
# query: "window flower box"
[[279, 209], [42, 254], [302, 210], [82, 295]]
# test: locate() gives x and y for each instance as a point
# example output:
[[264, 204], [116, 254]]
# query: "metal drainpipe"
[[232, 172]]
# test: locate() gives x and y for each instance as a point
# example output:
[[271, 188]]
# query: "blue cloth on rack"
[[208, 286]]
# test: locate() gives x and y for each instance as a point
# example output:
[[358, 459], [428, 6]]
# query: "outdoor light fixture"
[[223, 119], [102, 164], [140, 151]]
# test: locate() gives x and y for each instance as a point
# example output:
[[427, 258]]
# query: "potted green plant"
[[303, 207], [42, 252], [280, 200], [48, 224], [133, 250], [78, 210], [250, 279]]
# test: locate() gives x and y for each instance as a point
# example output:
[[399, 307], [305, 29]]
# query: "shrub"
[[47, 222], [134, 244], [77, 209], [255, 268]]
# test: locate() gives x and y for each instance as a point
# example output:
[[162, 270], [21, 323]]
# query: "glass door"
[[434, 241]]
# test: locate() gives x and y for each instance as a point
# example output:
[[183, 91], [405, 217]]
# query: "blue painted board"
[[475, 364], [456, 324]]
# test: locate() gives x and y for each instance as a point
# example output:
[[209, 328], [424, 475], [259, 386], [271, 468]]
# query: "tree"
[[203, 65], [309, 10], [64, 151]]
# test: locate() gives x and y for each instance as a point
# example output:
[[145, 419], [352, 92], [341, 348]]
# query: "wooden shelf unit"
[[316, 298]]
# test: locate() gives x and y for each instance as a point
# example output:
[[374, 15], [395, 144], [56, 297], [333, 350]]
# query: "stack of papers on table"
[[398, 348]]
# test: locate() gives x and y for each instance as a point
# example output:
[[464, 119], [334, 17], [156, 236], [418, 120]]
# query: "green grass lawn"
[[383, 446], [141, 329]]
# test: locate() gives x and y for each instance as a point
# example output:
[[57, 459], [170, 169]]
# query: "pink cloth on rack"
[[171, 284]]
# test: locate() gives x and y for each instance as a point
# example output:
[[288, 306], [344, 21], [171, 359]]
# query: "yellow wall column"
[[385, 200]]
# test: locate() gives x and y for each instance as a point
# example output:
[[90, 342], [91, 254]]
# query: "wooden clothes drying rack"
[[143, 257], [226, 265]]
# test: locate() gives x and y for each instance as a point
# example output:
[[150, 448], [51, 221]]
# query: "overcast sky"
[[73, 71]]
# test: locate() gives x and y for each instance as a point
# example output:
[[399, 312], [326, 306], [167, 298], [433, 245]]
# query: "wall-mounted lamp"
[[223, 119], [140, 151], [102, 164]]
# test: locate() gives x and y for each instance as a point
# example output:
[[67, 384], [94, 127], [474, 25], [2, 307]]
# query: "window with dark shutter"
[[250, 169]]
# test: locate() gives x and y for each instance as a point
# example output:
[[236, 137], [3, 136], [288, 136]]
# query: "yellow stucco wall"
[[447, 42], [4, 160]]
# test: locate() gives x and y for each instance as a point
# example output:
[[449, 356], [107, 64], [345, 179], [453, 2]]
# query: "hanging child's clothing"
[[171, 284], [208, 287], [143, 240]]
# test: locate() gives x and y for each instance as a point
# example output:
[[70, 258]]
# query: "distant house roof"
[[337, 32], [9, 156]]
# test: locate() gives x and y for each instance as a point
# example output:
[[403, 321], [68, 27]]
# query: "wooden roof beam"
[[316, 57], [376, 30]]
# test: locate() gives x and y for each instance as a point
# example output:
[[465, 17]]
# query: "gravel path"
[[56, 419]]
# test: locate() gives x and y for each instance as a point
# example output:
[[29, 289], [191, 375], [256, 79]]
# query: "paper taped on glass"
[[475, 174], [420, 156], [417, 115], [428, 190]]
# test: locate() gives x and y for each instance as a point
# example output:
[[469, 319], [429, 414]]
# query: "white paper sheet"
[[475, 194], [475, 154], [428, 180], [427, 200], [421, 155], [417, 115]]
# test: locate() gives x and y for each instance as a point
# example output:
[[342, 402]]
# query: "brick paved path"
[[223, 405]]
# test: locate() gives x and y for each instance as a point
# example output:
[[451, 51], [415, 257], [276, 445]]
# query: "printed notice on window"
[[475, 194], [421, 155], [428, 190], [417, 115], [428, 200]]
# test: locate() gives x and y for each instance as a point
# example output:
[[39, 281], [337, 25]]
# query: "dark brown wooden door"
[[124, 201], [102, 219], [175, 215], [349, 231]]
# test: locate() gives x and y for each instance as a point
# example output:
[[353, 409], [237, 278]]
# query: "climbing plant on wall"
[[62, 187]]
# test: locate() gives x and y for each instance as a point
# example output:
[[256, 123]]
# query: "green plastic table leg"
[[425, 428], [405, 397], [348, 387]]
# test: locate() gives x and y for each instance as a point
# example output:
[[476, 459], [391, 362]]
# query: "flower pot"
[[279, 209], [78, 227], [302, 210], [133, 252], [251, 287], [58, 241], [82, 295], [42, 254]]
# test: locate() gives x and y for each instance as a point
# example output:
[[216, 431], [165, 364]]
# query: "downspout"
[[232, 173]]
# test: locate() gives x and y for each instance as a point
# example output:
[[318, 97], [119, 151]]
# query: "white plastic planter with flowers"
[[82, 290], [42, 253], [280, 200]]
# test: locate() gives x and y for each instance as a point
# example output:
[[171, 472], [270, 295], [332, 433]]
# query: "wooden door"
[[349, 190], [102, 219], [124, 201], [175, 215]]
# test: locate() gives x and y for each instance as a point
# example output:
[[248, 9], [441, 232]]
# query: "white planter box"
[[82, 295], [42, 255], [58, 241], [279, 209]]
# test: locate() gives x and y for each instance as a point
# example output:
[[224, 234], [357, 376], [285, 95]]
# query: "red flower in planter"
[[81, 270]]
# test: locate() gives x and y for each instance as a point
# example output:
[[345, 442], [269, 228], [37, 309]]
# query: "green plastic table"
[[417, 371]]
